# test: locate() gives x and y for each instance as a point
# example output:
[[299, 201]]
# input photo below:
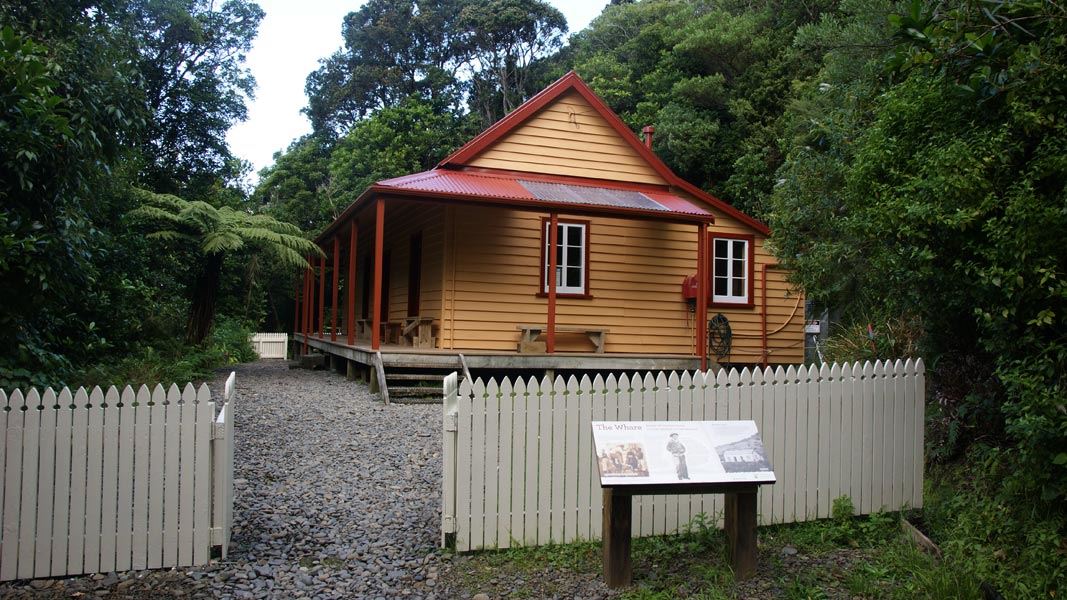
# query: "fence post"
[[448, 456], [222, 463]]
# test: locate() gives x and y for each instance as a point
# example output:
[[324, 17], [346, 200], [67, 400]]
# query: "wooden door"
[[368, 286], [414, 274], [385, 287]]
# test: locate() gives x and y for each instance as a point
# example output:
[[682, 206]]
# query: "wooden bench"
[[390, 330], [417, 332], [530, 333], [363, 327]]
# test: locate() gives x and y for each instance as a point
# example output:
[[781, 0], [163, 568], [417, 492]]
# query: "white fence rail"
[[519, 468], [271, 345], [97, 481]]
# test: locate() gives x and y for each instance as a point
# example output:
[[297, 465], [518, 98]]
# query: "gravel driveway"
[[337, 496]]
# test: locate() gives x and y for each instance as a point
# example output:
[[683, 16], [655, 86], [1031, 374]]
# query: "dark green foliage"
[[502, 39], [714, 78], [296, 188], [65, 103], [98, 97], [210, 234], [396, 141], [1015, 545], [393, 49], [945, 201], [190, 56], [313, 182], [167, 360], [441, 51]]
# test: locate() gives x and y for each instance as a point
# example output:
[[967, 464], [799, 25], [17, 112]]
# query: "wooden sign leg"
[[618, 570], [740, 525]]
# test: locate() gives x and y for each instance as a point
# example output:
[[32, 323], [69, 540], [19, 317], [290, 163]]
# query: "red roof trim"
[[571, 81]]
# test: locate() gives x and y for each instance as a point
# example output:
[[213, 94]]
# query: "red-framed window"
[[733, 258], [572, 258]]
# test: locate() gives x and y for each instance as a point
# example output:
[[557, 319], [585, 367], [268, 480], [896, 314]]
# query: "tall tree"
[[190, 55], [504, 38], [393, 49], [444, 51], [296, 188], [99, 95], [394, 141]]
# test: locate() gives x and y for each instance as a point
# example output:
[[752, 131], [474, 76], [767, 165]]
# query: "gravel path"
[[337, 496]]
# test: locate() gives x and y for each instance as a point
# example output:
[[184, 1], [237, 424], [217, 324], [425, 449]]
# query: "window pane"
[[574, 235], [721, 265], [721, 248], [720, 286], [739, 268], [738, 287], [574, 257], [574, 277], [739, 249]]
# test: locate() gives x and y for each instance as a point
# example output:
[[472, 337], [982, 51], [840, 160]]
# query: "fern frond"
[[169, 235], [205, 216], [147, 212], [290, 258], [221, 241]]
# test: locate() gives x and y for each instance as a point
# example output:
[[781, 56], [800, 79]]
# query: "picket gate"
[[271, 345], [519, 468], [97, 481]]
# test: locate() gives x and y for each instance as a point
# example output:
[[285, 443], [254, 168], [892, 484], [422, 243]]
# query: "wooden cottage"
[[449, 268]]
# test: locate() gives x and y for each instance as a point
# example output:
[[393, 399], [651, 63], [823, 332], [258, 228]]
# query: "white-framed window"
[[571, 239], [730, 270]]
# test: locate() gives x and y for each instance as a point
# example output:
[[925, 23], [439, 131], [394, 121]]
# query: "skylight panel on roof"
[[580, 194]]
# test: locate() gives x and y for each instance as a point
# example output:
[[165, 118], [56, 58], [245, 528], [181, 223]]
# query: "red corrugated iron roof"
[[524, 189]]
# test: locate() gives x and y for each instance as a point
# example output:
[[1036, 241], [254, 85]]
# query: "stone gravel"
[[336, 496]]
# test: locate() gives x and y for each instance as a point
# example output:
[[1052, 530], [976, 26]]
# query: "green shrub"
[[172, 360], [875, 339], [988, 533]]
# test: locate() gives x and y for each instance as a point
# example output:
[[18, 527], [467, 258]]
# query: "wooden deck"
[[397, 356]]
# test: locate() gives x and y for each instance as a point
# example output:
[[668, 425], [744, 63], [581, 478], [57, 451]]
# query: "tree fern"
[[213, 232]]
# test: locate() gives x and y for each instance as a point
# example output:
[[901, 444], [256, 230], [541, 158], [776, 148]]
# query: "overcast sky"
[[293, 36]]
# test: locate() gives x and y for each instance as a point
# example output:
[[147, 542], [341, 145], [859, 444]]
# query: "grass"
[[843, 557]]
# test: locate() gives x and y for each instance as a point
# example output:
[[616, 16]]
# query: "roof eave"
[[534, 203]]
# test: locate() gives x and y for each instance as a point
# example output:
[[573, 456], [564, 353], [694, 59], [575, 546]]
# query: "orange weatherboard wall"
[[482, 259], [568, 137]]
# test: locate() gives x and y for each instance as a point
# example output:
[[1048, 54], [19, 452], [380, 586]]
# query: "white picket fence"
[[519, 468], [97, 481], [271, 345]]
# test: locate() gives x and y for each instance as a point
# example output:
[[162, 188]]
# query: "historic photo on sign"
[[624, 460], [657, 452]]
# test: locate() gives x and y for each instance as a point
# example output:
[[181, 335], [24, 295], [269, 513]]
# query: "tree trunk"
[[205, 290]]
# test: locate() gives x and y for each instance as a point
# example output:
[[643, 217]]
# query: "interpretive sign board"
[[680, 452], [679, 457]]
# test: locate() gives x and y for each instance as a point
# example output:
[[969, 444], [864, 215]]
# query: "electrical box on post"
[[689, 292]]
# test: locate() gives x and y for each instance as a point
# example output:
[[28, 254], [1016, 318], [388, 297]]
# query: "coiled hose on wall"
[[720, 336]]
